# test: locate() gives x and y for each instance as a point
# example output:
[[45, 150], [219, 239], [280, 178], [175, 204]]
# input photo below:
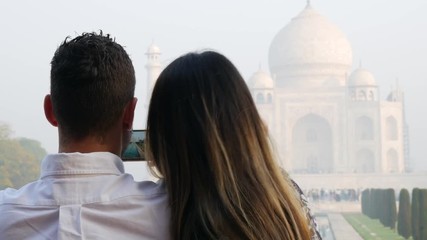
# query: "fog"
[[387, 37]]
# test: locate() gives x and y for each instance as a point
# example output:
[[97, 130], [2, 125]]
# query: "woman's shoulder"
[[304, 202]]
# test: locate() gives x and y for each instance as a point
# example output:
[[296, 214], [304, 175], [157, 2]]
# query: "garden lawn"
[[370, 229]]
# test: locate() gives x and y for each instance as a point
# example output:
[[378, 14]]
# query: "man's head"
[[92, 83]]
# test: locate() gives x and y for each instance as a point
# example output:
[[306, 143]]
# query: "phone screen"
[[135, 151]]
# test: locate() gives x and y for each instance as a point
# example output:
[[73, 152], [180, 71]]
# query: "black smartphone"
[[135, 151]]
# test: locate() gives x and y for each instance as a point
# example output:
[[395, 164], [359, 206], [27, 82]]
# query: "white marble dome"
[[361, 77], [308, 51], [261, 80]]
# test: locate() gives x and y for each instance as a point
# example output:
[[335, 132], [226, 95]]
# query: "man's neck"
[[91, 144]]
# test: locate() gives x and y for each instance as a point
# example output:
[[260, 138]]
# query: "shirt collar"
[[81, 164]]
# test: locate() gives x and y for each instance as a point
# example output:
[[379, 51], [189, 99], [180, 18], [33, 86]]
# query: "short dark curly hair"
[[92, 79]]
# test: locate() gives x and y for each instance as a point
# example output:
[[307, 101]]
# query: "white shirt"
[[84, 196]]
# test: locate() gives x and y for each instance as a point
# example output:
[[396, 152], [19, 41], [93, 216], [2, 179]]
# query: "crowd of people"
[[337, 195]]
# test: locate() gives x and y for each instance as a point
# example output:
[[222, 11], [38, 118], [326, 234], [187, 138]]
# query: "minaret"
[[153, 67]]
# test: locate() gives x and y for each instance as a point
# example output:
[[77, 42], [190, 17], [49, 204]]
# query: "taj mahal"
[[324, 117]]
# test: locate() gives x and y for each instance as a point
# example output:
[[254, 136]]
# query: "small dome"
[[395, 95], [362, 77], [260, 80], [153, 49]]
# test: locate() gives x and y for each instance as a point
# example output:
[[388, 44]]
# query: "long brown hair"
[[207, 140]]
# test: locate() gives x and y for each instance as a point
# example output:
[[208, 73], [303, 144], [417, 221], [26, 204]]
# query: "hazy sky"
[[389, 37]]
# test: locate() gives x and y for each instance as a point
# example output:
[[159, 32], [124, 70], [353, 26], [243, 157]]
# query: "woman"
[[207, 140]]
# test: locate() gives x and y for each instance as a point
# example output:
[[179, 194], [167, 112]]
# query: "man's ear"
[[129, 114], [48, 111]]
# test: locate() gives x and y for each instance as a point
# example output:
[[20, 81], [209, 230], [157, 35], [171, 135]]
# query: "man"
[[83, 192]]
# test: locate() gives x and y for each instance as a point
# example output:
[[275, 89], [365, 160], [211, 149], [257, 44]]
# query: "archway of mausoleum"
[[312, 148], [392, 160], [364, 129], [365, 161]]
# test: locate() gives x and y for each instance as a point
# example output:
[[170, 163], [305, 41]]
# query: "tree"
[[415, 214], [4, 177], [382, 205], [379, 205], [374, 204], [423, 214], [365, 202], [19, 159], [5, 131], [34, 147], [390, 208], [404, 216]]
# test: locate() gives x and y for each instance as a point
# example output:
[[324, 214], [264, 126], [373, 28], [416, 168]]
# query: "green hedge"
[[423, 214], [404, 227], [415, 210], [380, 204]]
